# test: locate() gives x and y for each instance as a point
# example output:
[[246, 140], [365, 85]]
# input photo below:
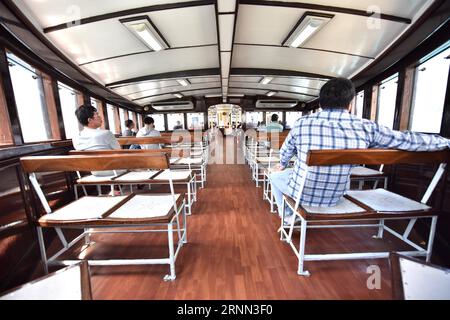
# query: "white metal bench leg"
[[172, 275], [431, 237], [301, 253], [184, 224], [189, 197], [42, 249], [360, 184], [380, 230]]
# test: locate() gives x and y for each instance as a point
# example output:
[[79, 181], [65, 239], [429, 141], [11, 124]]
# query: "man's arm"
[[288, 149], [383, 137], [112, 141]]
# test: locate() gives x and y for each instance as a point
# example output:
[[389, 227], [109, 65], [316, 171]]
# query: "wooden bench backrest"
[[185, 136], [173, 152], [374, 157], [94, 163], [148, 140]]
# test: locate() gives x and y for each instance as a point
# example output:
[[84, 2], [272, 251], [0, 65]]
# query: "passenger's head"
[[274, 118], [88, 116], [149, 121], [337, 93], [129, 124]]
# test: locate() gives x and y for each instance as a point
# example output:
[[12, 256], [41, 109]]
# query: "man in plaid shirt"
[[335, 128]]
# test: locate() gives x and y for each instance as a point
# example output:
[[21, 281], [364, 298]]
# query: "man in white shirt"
[[149, 131], [92, 137], [274, 126]]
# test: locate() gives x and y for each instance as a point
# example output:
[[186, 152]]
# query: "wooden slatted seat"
[[135, 212], [364, 205], [147, 176], [362, 174], [413, 279], [69, 283]]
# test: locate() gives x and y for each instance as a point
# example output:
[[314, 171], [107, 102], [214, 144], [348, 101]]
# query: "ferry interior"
[[184, 206]]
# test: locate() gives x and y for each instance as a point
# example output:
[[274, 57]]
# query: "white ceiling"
[[233, 50]]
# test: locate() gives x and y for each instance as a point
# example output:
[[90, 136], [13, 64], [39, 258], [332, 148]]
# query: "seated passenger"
[[92, 137], [274, 125], [336, 128], [129, 132], [149, 131], [178, 125]]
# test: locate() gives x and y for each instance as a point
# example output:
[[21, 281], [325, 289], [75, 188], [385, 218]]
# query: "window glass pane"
[[159, 121], [359, 104], [5, 126], [252, 119], [387, 96], [122, 120], [130, 115], [110, 109], [291, 117], [68, 99], [269, 116], [429, 94], [195, 121], [139, 117], [97, 104], [29, 95], [173, 118]]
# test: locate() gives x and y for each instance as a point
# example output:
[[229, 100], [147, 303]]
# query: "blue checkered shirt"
[[338, 129]]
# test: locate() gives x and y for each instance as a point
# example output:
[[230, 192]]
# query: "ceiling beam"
[[318, 7], [277, 72], [117, 14], [179, 91], [267, 90], [167, 75]]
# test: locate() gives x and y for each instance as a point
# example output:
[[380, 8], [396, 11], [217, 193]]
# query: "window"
[[429, 94], [252, 119], [387, 96], [173, 118], [97, 104], [195, 121], [269, 116], [140, 123], [122, 120], [130, 115], [68, 99], [359, 104], [5, 126], [291, 117], [159, 121], [34, 115], [112, 118]]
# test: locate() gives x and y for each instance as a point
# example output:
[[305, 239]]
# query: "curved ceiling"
[[222, 48]]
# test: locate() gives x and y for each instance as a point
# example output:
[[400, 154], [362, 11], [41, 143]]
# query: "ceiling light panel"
[[308, 25], [144, 29], [266, 80], [183, 82], [178, 95], [271, 93], [226, 26]]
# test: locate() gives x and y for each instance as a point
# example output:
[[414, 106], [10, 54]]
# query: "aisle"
[[234, 252]]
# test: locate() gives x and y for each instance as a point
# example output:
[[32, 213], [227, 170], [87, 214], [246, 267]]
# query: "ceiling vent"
[[174, 105], [266, 104]]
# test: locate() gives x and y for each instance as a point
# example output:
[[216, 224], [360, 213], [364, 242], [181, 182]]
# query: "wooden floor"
[[234, 252]]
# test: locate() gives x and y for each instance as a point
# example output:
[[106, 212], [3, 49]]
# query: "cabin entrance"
[[226, 117]]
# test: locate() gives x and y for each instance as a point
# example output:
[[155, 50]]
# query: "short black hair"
[[149, 120], [337, 93], [128, 123], [274, 117], [84, 112]]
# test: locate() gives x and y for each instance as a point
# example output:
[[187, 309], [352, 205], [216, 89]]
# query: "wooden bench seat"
[[135, 213], [363, 205]]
